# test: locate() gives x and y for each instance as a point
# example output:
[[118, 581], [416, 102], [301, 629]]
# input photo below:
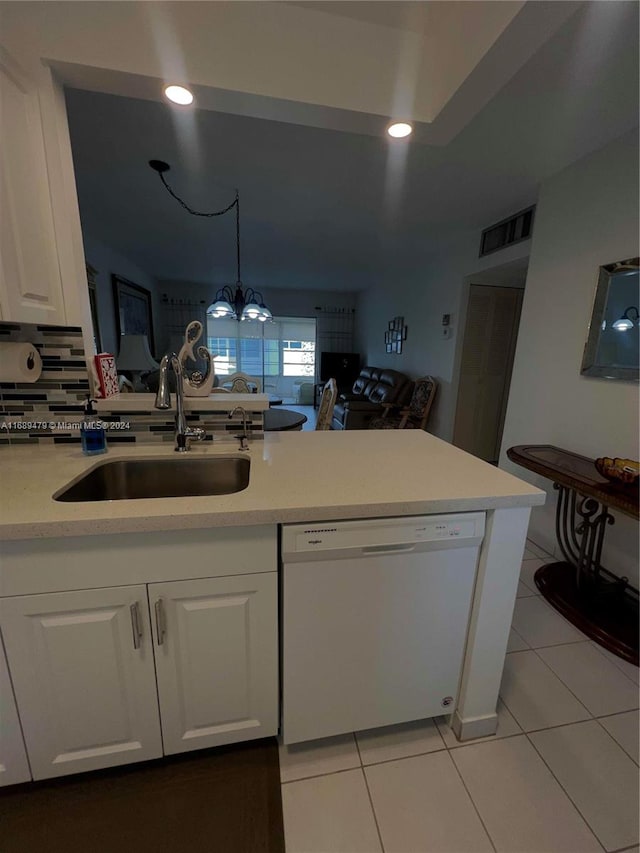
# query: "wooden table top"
[[576, 472]]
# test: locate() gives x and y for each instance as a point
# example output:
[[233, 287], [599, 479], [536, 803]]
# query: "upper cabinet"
[[42, 264], [30, 280]]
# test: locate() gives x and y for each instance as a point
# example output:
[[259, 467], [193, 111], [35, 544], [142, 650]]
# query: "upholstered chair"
[[416, 413]]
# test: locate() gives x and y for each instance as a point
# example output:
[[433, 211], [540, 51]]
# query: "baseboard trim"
[[474, 727]]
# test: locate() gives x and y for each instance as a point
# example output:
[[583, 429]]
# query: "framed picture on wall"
[[92, 272], [133, 309]]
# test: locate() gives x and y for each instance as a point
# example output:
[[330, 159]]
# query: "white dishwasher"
[[374, 620]]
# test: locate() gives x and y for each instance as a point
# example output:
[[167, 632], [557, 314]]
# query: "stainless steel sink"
[[128, 479]]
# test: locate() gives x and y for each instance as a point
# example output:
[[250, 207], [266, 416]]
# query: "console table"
[[602, 605]]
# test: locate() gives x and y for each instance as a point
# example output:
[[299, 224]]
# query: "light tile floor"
[[561, 773]]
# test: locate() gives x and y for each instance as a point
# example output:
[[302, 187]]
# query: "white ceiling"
[[336, 210], [412, 15]]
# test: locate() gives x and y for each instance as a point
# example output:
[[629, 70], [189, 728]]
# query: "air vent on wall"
[[507, 232]]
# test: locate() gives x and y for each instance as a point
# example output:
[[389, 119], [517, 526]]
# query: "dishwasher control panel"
[[383, 533]]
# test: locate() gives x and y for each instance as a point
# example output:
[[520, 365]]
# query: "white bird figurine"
[[195, 384]]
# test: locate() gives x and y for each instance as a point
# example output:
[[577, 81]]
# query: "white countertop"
[[214, 403], [295, 476]]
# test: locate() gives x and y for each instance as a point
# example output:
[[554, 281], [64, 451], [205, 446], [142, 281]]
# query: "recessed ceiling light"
[[399, 129], [179, 95]]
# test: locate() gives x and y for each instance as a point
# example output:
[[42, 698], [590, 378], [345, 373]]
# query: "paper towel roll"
[[19, 362]]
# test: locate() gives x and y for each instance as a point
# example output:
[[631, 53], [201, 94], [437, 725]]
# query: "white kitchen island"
[[192, 562]]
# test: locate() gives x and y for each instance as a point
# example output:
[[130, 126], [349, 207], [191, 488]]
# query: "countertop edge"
[[277, 515]]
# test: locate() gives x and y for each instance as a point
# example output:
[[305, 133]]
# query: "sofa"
[[373, 390]]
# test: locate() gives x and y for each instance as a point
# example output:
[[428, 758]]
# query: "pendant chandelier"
[[241, 303]]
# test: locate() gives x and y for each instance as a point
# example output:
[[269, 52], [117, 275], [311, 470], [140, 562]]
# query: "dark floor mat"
[[224, 800]]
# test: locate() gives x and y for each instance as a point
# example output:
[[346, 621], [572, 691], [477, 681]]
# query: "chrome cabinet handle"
[[161, 625], [135, 625]]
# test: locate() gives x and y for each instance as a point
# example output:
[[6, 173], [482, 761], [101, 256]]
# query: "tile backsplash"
[[58, 394], [45, 411]]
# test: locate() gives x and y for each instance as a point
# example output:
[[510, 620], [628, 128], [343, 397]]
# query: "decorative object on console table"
[[106, 375], [133, 309], [623, 471], [602, 605]]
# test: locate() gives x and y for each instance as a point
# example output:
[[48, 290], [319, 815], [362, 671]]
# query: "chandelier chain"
[[235, 203], [239, 299], [193, 212]]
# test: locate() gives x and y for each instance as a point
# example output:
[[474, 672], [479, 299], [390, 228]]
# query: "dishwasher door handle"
[[389, 549]]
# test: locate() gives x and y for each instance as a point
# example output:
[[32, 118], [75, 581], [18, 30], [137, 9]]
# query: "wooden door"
[[30, 281], [14, 766], [82, 669], [491, 329], [216, 659]]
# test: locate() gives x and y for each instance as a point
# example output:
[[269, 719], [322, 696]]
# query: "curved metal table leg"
[[602, 605]]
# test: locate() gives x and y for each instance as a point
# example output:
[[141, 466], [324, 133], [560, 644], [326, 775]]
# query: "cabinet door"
[[14, 766], [82, 670], [216, 659], [30, 282]]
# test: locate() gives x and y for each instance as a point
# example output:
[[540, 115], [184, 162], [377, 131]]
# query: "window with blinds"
[[286, 347]]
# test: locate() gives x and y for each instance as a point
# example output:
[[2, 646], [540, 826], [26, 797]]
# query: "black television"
[[342, 366]]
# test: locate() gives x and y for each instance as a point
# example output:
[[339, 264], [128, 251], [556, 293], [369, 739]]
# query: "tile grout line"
[[373, 808], [616, 714], [473, 803], [555, 674], [555, 645], [619, 745], [520, 637], [320, 775], [600, 651], [444, 748], [562, 788], [593, 716]]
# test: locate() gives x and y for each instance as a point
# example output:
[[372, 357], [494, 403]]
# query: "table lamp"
[[135, 358]]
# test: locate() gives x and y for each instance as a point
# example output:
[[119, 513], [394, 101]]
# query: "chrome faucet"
[[163, 401], [243, 438]]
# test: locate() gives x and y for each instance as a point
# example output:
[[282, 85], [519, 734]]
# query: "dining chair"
[[327, 402], [416, 414], [242, 383]]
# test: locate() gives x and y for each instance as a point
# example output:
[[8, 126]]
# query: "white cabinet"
[[82, 664], [120, 650], [216, 649], [30, 281], [83, 673], [14, 766]]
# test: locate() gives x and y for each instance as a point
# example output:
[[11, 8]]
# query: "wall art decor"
[[394, 336]]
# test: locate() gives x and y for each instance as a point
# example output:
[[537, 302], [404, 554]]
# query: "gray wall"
[[587, 216]]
